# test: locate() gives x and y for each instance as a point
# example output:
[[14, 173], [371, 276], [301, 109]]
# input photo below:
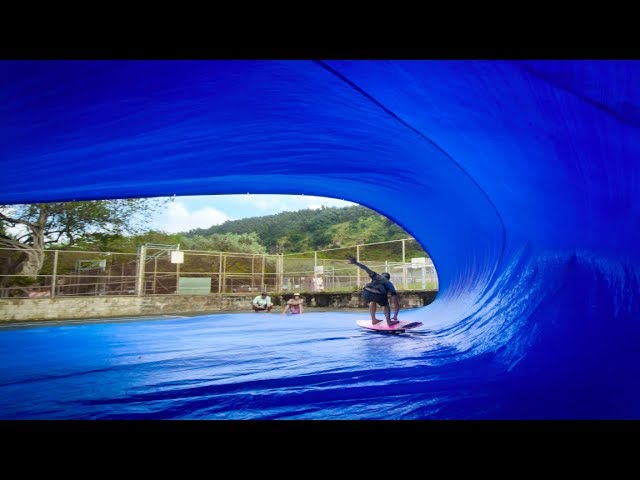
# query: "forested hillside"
[[307, 230]]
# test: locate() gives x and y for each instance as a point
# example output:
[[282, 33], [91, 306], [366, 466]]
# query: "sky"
[[204, 211]]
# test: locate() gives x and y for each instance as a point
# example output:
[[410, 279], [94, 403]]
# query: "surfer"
[[377, 291]]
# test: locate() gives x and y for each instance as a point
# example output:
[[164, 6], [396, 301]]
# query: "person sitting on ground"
[[294, 305], [377, 291], [262, 303]]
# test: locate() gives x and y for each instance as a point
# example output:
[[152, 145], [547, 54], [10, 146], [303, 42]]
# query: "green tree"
[[308, 230], [30, 229], [228, 242]]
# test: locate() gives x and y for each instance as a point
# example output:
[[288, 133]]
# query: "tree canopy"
[[26, 230], [307, 230]]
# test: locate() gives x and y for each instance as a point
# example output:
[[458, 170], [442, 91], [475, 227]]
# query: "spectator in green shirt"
[[262, 303]]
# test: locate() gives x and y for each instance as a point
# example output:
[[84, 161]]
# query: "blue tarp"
[[520, 178]]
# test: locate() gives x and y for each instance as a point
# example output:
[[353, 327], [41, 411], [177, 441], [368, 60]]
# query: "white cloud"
[[267, 202], [179, 219], [19, 229]]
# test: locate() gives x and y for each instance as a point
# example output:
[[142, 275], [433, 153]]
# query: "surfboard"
[[383, 327]]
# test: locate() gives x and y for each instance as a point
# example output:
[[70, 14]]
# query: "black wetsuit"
[[378, 289]]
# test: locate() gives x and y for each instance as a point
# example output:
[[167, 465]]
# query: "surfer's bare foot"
[[375, 322], [392, 322]]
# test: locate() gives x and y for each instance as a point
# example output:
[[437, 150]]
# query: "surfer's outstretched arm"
[[361, 265]]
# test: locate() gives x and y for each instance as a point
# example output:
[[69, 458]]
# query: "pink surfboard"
[[383, 327]]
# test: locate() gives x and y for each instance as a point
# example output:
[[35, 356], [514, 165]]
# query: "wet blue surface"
[[235, 366], [520, 178]]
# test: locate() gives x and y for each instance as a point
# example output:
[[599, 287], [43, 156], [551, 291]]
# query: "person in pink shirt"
[[294, 305]]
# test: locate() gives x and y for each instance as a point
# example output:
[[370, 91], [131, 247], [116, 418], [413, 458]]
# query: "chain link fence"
[[327, 270], [165, 269]]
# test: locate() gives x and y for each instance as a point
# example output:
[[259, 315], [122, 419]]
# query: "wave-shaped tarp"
[[520, 178]]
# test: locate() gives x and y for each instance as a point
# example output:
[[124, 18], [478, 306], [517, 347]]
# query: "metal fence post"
[[358, 269], [404, 265], [142, 255], [220, 276], [280, 271], [54, 280], [314, 285], [224, 272], [155, 271], [177, 277]]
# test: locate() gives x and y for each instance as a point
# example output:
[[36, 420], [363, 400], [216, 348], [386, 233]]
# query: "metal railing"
[[165, 269]]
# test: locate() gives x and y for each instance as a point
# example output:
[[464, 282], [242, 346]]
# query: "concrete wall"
[[23, 309]]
